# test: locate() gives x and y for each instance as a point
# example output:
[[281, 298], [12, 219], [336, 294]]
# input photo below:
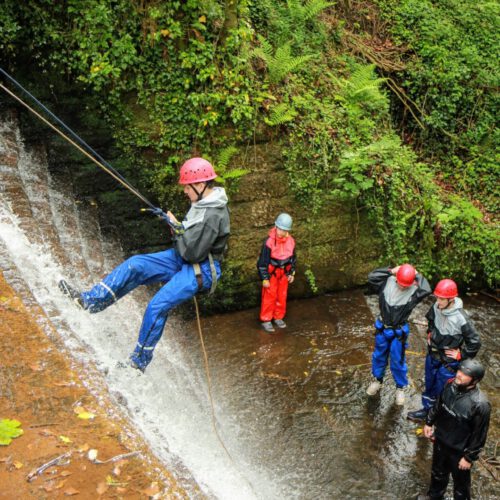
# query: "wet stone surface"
[[40, 389]]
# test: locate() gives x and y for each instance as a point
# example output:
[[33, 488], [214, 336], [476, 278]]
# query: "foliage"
[[452, 76], [175, 79], [282, 62], [9, 429]]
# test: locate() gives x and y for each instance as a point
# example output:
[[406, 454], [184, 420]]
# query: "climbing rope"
[[209, 379]]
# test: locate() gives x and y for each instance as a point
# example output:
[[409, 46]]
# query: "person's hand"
[[428, 431], [395, 270], [291, 278], [172, 217], [266, 284], [453, 354], [464, 464]]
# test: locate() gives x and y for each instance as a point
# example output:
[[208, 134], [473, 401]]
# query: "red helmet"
[[446, 289], [196, 170], [406, 275]]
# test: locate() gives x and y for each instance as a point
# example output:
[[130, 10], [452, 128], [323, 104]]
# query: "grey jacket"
[[452, 329], [205, 228]]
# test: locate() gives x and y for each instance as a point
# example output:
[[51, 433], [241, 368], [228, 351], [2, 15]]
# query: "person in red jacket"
[[276, 267]]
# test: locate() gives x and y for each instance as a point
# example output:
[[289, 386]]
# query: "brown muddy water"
[[298, 399]]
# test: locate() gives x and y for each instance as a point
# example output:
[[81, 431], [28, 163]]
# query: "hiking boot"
[[268, 326], [418, 415], [72, 293], [400, 397], [373, 388], [130, 364], [280, 323]]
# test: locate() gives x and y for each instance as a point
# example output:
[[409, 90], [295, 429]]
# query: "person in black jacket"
[[460, 417], [399, 290], [451, 338]]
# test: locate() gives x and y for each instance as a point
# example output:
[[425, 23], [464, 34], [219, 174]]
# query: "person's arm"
[[293, 263], [263, 262], [424, 288], [479, 426], [378, 278], [434, 411], [472, 343]]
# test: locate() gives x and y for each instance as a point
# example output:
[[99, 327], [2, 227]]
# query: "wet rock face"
[[338, 246]]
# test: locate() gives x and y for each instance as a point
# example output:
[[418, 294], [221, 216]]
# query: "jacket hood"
[[273, 234], [216, 199], [450, 311]]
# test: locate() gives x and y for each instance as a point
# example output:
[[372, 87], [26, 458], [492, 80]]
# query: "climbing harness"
[[90, 153]]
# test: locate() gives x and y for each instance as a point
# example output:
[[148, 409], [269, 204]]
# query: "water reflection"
[[298, 398]]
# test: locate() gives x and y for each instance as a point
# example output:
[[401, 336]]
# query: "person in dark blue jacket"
[[192, 265], [399, 290]]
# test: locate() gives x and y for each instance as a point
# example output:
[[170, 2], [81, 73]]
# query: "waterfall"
[[45, 236]]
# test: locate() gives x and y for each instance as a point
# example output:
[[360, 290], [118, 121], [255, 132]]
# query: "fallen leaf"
[[102, 488], [306, 373], [338, 372], [36, 367], [60, 484], [202, 19], [86, 415], [71, 491], [152, 490], [78, 409], [92, 455], [18, 465], [83, 448], [66, 473], [65, 439], [419, 431], [9, 429]]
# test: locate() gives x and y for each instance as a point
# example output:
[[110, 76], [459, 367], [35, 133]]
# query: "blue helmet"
[[283, 221]]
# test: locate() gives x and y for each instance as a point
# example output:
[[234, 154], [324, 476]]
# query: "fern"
[[282, 62], [362, 87], [222, 165], [305, 12], [280, 114]]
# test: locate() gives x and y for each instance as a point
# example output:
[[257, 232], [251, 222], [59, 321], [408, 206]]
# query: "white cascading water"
[[45, 236]]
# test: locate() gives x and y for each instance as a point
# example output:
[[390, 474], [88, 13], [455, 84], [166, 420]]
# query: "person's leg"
[[135, 271], [399, 368], [461, 481], [380, 356], [269, 300], [440, 472], [181, 287], [431, 369], [281, 296]]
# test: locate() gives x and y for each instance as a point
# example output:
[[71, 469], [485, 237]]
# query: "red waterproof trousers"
[[273, 305]]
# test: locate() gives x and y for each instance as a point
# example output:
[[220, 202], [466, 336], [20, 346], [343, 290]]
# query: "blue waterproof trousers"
[[391, 343], [167, 266], [437, 375]]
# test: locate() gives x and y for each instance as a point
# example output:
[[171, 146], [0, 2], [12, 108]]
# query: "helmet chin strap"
[[198, 194]]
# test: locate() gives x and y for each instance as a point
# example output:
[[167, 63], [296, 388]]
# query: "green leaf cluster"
[[9, 429]]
